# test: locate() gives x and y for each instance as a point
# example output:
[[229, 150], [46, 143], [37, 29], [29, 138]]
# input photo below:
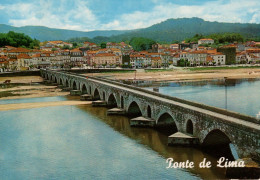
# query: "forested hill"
[[183, 28], [44, 33], [169, 30]]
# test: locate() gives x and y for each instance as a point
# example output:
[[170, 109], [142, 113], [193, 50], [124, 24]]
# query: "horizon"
[[125, 29], [89, 15]]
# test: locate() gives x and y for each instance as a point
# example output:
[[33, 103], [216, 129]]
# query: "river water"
[[82, 142], [242, 96]]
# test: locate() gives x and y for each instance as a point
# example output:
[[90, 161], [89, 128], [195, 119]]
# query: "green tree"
[[140, 44], [18, 40], [75, 44], [103, 45]]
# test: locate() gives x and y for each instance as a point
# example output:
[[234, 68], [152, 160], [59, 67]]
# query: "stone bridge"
[[212, 126]]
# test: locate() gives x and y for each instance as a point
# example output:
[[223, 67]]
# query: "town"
[[62, 55]]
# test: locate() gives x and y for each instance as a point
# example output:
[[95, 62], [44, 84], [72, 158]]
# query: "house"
[[241, 57], [175, 59], [17, 51], [44, 59], [218, 58], [76, 58], [156, 62], [166, 58], [12, 62], [113, 45], [195, 58], [174, 46], [137, 61], [91, 46], [3, 63], [24, 62], [206, 41], [183, 46], [55, 44], [105, 60]]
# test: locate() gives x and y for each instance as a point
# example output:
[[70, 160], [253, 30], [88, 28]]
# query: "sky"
[[88, 15]]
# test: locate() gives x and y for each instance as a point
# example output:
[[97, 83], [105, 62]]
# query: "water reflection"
[[158, 142], [43, 143]]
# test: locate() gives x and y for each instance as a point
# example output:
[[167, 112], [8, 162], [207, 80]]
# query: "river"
[[82, 142], [238, 95]]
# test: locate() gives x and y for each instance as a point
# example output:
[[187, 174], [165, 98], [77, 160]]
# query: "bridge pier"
[[183, 139], [86, 97], [47, 82], [99, 103], [142, 122], [115, 111], [67, 89], [75, 92]]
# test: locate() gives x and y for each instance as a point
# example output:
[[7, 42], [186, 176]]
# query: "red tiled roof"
[[23, 56], [3, 57], [19, 50], [55, 42], [104, 54], [136, 55], [156, 58]]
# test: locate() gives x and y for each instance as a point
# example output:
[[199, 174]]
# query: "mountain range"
[[167, 31]]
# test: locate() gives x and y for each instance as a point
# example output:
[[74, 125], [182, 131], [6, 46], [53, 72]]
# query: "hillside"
[[180, 29], [166, 31], [44, 33]]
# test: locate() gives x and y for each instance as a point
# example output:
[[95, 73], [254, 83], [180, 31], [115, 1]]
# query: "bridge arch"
[[67, 83], [134, 109], [149, 111], [189, 127], [84, 89], [55, 79], [218, 143], [216, 137], [111, 102], [96, 95], [74, 85], [166, 124]]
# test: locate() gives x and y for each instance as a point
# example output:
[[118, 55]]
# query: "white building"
[[206, 41]]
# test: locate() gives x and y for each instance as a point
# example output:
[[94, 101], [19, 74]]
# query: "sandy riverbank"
[[22, 79], [184, 74], [5, 107], [27, 87], [31, 92]]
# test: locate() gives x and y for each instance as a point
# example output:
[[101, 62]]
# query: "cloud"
[[78, 17], [223, 11]]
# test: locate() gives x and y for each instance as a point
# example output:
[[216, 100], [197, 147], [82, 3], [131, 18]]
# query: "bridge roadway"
[[213, 126]]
